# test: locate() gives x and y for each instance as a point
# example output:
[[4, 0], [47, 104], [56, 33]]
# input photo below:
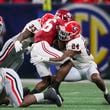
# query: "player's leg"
[[14, 90], [60, 76], [3, 97], [49, 94], [45, 74], [42, 85], [95, 77], [73, 75], [43, 49], [13, 87]]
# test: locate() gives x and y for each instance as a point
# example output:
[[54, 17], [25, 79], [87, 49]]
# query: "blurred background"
[[93, 15]]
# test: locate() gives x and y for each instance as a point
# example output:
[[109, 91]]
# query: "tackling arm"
[[68, 55], [24, 35]]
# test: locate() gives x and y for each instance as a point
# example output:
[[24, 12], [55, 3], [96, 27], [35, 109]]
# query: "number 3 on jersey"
[[32, 28]]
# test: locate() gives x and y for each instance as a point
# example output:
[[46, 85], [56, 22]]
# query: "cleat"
[[51, 94], [107, 97], [60, 96]]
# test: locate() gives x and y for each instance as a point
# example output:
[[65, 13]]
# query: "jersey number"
[[48, 26], [33, 28], [75, 46]]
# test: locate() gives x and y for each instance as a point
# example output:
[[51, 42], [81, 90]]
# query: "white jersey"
[[33, 26], [8, 56], [80, 60]]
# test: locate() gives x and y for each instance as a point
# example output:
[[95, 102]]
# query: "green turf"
[[77, 96]]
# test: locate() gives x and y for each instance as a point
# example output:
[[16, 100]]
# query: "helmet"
[[70, 31], [46, 17], [63, 14]]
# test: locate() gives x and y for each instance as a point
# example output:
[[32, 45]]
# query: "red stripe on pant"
[[14, 89], [48, 51], [6, 53]]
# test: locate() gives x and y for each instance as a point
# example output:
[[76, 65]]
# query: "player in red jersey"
[[43, 46], [43, 39]]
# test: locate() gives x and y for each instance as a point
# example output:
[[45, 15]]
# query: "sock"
[[106, 91], [39, 97]]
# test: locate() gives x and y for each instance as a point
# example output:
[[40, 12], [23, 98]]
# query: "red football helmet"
[[45, 17], [70, 31], [64, 15]]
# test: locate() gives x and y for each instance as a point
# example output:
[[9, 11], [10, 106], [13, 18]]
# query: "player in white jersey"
[[78, 54], [11, 85], [8, 54]]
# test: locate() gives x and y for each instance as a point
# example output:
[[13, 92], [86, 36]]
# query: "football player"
[[8, 54], [43, 41], [79, 55], [43, 46], [11, 87]]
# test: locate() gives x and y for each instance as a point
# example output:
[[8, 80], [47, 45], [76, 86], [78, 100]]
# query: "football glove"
[[18, 46]]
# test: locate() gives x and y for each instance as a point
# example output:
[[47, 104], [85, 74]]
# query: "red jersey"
[[48, 31]]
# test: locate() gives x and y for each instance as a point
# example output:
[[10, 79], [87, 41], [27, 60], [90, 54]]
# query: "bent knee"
[[95, 77]]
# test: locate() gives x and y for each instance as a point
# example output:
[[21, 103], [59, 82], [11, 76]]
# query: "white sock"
[[106, 91], [39, 97]]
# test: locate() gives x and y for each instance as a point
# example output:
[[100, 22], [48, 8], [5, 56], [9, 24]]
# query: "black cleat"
[[107, 97], [51, 94], [60, 96]]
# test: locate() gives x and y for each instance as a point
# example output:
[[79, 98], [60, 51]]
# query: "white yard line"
[[31, 81]]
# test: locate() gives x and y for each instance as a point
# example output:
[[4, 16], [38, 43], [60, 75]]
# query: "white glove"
[[18, 46], [38, 59]]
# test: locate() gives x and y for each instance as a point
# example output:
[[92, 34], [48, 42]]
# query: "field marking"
[[33, 81]]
